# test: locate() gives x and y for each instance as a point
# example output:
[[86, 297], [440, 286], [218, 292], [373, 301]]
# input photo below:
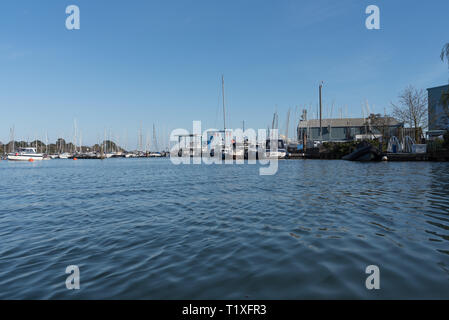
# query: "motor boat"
[[25, 154], [273, 152], [65, 155], [155, 155]]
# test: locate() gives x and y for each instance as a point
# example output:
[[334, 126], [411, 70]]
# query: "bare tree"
[[445, 53], [379, 123], [412, 109]]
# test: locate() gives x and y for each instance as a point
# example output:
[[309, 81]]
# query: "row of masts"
[[154, 147], [106, 147], [110, 143]]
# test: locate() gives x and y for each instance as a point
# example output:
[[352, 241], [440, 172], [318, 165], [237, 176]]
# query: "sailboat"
[[228, 150], [46, 155], [155, 153], [275, 149], [65, 155]]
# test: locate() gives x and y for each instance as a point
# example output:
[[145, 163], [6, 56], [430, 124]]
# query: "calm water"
[[144, 228]]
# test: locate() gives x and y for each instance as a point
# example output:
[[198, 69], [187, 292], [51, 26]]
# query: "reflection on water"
[[144, 228]]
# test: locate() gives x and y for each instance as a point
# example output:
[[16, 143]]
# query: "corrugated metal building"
[[349, 129], [438, 114]]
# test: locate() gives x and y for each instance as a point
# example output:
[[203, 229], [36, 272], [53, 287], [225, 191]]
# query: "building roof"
[[342, 123], [439, 87]]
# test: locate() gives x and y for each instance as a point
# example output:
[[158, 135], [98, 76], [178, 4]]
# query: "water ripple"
[[146, 229]]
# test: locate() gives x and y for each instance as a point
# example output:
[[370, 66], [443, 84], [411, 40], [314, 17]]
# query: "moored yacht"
[[273, 151], [65, 155], [25, 154], [155, 155]]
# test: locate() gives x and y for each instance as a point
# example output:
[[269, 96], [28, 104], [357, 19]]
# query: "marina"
[[225, 154], [383, 137]]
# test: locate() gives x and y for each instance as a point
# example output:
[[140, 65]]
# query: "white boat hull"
[[25, 158], [276, 155]]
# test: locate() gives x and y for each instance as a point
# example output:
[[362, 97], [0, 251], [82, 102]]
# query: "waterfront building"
[[348, 129], [438, 111]]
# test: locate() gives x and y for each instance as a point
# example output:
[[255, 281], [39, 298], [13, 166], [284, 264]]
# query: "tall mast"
[[140, 138], [155, 146], [126, 140], [224, 107], [147, 142], [104, 142], [74, 135], [286, 126], [321, 111], [13, 140]]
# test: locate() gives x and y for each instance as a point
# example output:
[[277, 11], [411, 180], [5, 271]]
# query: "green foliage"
[[340, 149], [446, 140], [435, 146], [60, 146], [439, 145]]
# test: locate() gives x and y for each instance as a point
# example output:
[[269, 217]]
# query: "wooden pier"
[[404, 157]]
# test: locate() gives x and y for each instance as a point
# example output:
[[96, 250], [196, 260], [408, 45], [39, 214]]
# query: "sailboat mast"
[[13, 140], [321, 111], [155, 146], [224, 107], [74, 135]]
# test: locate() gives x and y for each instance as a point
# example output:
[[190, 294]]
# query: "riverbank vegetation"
[[341, 149], [60, 146], [411, 109]]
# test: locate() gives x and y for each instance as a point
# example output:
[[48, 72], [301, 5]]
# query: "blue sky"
[[144, 62]]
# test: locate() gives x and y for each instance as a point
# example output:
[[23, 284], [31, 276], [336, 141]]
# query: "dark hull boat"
[[364, 152]]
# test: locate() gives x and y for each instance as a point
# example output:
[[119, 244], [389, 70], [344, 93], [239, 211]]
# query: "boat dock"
[[392, 157]]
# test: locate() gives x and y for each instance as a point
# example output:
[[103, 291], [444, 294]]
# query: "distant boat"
[[227, 151], [252, 152], [155, 154], [65, 155], [131, 155], [238, 150], [279, 152], [25, 154]]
